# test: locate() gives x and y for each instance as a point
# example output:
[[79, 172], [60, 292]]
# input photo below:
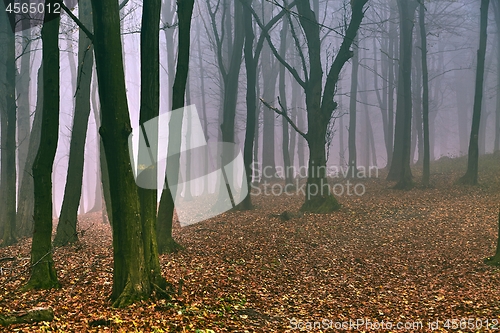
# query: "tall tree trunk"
[[8, 152], [107, 212], [188, 196], [417, 95], [150, 109], [203, 100], [251, 101], [393, 66], [130, 277], [462, 99], [66, 228], [166, 210], [43, 273], [23, 109], [383, 97], [400, 167], [24, 217], [353, 164], [284, 106], [270, 74], [496, 145], [425, 96], [471, 174]]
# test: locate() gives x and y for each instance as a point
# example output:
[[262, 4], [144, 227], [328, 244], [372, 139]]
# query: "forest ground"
[[386, 256]]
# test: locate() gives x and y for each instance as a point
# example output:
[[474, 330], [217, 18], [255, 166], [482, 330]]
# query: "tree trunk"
[[353, 164], [400, 167], [417, 93], [203, 101], [24, 217], [393, 66], [496, 145], [270, 75], [425, 96], [166, 210], [251, 101], [66, 228], [284, 106], [470, 177], [8, 152], [43, 273], [150, 109], [130, 278], [23, 110]]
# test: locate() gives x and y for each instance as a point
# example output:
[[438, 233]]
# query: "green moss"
[[321, 205]]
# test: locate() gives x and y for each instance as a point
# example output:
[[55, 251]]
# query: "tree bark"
[[353, 164], [8, 152], [284, 106], [400, 167], [130, 278], [425, 97], [251, 101], [150, 109], [66, 228], [24, 216], [496, 144], [43, 273], [165, 240], [471, 175], [23, 110]]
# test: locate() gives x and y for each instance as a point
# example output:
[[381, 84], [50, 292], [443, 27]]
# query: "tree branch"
[[89, 34], [344, 54], [284, 115], [268, 27], [297, 45], [273, 49]]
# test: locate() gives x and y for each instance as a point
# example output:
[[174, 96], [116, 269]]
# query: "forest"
[[249, 165]]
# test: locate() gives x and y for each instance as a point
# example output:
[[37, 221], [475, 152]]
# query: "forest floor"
[[388, 257]]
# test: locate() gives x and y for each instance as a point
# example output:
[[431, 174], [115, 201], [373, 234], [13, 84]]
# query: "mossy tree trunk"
[[43, 273], [166, 242], [66, 228], [130, 275], [150, 108]]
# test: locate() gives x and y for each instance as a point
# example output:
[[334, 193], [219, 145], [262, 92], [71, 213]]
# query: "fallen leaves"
[[386, 256]]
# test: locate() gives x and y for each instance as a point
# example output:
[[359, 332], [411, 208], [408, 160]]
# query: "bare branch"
[[285, 115], [298, 46], [89, 34], [273, 48]]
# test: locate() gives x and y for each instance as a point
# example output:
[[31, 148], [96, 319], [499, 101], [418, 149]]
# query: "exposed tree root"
[[34, 315], [43, 277], [128, 296], [170, 246]]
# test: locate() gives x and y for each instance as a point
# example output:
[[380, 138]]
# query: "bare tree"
[[320, 102]]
